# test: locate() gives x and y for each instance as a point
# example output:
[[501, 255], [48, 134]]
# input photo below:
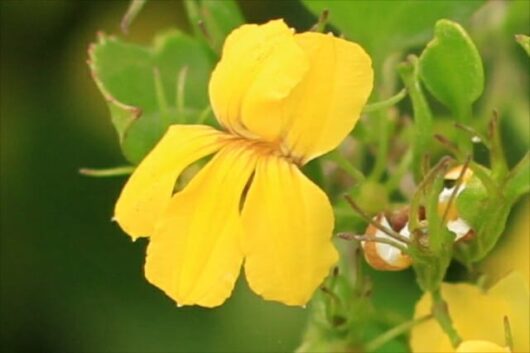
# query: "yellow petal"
[[149, 189], [260, 65], [326, 105], [477, 346], [513, 291], [288, 222], [195, 256], [477, 315]]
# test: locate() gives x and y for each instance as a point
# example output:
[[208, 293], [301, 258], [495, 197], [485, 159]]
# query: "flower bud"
[[382, 256], [455, 223]]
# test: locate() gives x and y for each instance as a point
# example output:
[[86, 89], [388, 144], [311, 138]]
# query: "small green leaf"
[[518, 181], [141, 84], [214, 19], [451, 67], [385, 27], [524, 41]]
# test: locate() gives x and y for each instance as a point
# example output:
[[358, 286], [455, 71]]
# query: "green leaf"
[[451, 68], [524, 41], [140, 86], [518, 181], [385, 27], [486, 213], [214, 19]]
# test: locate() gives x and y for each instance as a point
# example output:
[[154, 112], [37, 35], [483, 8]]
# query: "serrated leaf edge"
[[135, 112]]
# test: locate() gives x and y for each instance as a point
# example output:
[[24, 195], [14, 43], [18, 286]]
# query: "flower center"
[[275, 148]]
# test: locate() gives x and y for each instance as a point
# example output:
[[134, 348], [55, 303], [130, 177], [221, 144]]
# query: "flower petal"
[[326, 105], [477, 315], [477, 346], [288, 222], [195, 254], [150, 187], [260, 66]]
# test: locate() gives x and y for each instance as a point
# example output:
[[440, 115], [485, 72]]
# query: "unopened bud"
[[382, 256], [455, 223]]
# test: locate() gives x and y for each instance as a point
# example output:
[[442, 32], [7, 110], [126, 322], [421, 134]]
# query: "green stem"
[[320, 26], [387, 103], [181, 85], [498, 161], [134, 9], [345, 165], [204, 115], [381, 240], [395, 177], [423, 130], [161, 97], [194, 16], [394, 332], [381, 159], [107, 172], [421, 191], [441, 313], [388, 231], [464, 116]]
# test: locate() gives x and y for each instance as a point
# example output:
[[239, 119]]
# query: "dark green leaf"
[[451, 67], [140, 86]]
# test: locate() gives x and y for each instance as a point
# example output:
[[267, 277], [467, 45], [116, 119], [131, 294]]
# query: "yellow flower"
[[476, 346], [477, 316], [282, 99]]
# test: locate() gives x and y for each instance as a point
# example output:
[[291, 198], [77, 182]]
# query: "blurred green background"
[[71, 280]]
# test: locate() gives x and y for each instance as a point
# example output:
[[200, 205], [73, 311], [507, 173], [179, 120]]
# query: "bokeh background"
[[70, 279]]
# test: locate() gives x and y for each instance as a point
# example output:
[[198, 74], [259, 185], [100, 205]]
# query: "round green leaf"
[[451, 67]]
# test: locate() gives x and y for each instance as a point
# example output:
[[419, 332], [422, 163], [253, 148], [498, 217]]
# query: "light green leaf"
[[451, 68], [385, 27], [518, 181], [140, 86], [217, 18], [524, 41]]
